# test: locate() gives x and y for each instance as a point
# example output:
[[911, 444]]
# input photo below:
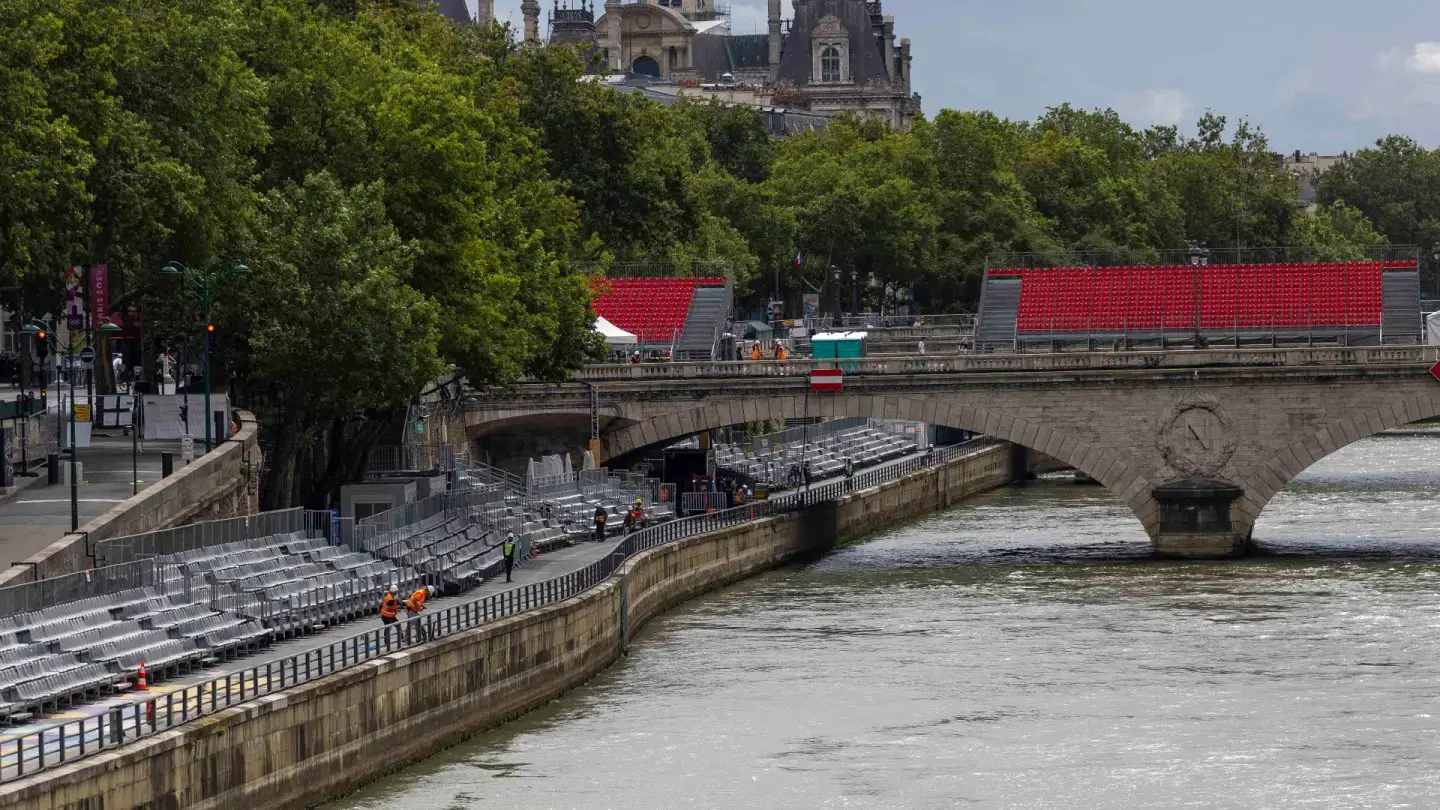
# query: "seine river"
[[1020, 651]]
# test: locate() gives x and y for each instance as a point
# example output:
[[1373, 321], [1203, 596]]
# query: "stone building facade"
[[829, 57]]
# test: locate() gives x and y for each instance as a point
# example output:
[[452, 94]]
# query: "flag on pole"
[[799, 258]]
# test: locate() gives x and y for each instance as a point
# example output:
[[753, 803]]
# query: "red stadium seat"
[[1222, 297]]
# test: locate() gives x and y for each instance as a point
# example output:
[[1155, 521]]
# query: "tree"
[[1396, 185], [330, 318], [1336, 232]]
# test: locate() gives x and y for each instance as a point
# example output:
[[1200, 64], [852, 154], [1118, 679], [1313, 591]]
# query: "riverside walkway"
[[551, 577]]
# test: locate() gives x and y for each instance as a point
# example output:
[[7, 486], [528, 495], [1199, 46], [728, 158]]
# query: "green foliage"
[[413, 196]]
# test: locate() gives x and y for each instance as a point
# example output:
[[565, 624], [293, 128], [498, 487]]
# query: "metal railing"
[[44, 593], [799, 369], [129, 548], [74, 739]]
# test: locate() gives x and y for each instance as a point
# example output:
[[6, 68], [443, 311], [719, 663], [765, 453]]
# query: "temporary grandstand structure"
[[684, 315], [1348, 303], [614, 335]]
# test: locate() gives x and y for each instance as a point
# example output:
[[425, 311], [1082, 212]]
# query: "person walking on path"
[[849, 475], [389, 608], [509, 551], [601, 518]]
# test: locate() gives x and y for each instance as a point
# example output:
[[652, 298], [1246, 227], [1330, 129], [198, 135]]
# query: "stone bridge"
[[1242, 422]]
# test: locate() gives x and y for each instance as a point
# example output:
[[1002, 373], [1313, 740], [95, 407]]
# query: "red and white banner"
[[99, 295], [827, 379]]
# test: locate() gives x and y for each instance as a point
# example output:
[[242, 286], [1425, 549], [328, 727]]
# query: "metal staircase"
[[999, 311], [1401, 320], [708, 310]]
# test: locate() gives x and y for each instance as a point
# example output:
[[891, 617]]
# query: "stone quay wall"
[[320, 740]]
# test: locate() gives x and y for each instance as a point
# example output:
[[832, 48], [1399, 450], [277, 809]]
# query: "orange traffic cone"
[[142, 684]]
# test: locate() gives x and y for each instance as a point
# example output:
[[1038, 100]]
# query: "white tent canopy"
[[614, 335]]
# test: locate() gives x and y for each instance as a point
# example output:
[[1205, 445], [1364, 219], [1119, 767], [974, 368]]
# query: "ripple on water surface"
[[1022, 651]]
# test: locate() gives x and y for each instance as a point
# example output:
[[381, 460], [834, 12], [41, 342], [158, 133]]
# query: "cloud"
[[1159, 105], [1425, 57], [749, 19]]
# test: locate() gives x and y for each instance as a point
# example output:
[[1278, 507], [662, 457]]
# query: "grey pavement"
[[39, 514]]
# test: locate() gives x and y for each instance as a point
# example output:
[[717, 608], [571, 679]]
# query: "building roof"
[[867, 61], [454, 9]]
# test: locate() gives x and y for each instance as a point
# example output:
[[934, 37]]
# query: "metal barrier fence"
[[379, 531], [17, 599], [75, 739], [117, 550]]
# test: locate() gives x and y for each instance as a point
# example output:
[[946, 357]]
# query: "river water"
[[1021, 651]]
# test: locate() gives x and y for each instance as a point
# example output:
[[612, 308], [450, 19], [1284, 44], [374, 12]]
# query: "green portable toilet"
[[839, 345]]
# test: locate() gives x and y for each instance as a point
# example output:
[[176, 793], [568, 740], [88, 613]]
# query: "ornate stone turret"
[[531, 10], [484, 12], [613, 37]]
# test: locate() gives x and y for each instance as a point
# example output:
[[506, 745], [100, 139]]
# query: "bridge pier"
[[1195, 519]]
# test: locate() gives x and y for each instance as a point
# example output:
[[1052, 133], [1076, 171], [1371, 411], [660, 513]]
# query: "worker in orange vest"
[[780, 351], [416, 602], [389, 608], [755, 352]]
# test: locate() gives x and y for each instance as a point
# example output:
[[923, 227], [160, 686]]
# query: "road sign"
[[827, 379], [82, 412], [75, 321], [87, 355], [1435, 371]]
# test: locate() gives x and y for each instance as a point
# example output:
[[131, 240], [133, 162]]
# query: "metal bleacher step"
[[999, 310], [1400, 292]]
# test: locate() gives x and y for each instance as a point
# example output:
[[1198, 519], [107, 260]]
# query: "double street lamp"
[[38, 330], [200, 280]]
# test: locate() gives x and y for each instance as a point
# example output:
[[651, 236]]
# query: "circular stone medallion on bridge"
[[1198, 438]]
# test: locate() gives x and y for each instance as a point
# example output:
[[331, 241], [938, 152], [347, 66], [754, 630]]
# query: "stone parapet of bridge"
[[1131, 420]]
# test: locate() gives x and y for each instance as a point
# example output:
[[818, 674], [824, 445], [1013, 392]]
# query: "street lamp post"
[[201, 279]]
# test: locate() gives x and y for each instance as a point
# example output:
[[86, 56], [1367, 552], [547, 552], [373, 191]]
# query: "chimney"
[[905, 62], [888, 37], [774, 41], [484, 12]]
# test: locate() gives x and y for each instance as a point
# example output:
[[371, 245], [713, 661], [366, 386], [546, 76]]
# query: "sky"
[[1324, 76]]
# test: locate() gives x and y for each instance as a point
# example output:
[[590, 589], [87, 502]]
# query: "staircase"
[[1401, 306], [999, 309], [708, 309]]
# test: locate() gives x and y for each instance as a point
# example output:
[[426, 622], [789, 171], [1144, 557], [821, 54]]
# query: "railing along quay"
[[75, 739], [1040, 361]]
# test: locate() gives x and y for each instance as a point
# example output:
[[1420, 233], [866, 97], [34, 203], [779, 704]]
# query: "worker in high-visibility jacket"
[[389, 608], [416, 603], [415, 631], [509, 551]]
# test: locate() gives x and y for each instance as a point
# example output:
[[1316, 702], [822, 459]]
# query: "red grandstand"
[[655, 310], [1349, 302]]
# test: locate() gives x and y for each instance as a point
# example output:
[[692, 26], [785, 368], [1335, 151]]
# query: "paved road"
[[39, 514]]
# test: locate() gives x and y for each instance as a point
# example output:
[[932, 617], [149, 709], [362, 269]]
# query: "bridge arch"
[[1111, 469], [1264, 480]]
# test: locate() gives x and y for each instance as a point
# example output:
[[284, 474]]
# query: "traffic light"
[[42, 344], [210, 327]]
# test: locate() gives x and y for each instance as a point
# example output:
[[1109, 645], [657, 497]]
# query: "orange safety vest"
[[416, 602], [389, 607], [755, 352]]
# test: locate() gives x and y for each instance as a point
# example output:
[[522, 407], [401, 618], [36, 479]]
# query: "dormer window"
[[830, 44]]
